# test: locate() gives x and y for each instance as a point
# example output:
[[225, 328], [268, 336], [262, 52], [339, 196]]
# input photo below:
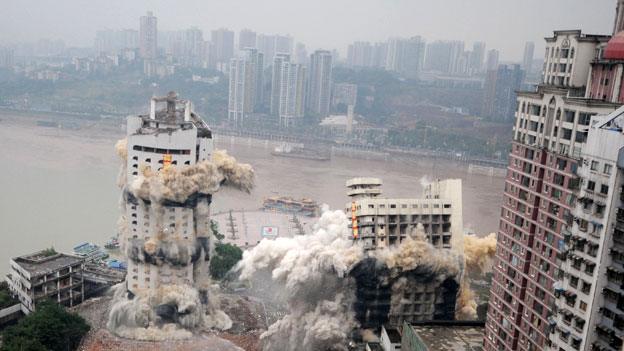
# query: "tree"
[[50, 327], [214, 227], [225, 257]]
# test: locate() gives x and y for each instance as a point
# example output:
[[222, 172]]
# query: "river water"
[[59, 186]]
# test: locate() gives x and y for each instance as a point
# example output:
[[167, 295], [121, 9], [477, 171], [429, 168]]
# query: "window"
[[591, 185], [607, 168], [604, 189], [594, 165], [583, 306]]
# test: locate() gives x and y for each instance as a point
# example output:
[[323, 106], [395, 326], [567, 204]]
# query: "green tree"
[[224, 258], [50, 327], [214, 227]]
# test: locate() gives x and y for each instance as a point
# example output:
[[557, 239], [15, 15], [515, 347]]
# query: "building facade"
[[550, 132], [491, 63], [148, 37], [223, 45], [590, 289], [319, 83], [170, 137], [499, 99], [46, 275], [292, 93], [527, 57], [246, 39], [380, 222]]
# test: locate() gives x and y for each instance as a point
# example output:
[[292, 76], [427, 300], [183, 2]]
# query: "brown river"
[[59, 185]]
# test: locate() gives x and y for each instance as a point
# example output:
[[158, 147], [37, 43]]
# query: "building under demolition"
[[169, 174], [393, 295]]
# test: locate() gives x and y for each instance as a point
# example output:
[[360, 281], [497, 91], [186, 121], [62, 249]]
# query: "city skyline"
[[471, 22]]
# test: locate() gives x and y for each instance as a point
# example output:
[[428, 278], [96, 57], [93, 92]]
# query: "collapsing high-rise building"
[[169, 174], [379, 223]]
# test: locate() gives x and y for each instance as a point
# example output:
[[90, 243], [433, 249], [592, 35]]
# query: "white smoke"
[[178, 184], [312, 269], [314, 272]]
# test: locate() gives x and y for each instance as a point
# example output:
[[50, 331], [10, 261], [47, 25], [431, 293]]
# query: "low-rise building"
[[46, 275]]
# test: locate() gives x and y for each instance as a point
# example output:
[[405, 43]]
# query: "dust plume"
[[478, 255], [479, 252], [466, 303], [324, 273], [205, 177]]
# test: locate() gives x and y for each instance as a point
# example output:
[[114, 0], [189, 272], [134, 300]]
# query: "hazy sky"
[[502, 24]]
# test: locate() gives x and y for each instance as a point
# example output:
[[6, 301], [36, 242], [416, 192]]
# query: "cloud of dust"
[[205, 177], [478, 254], [314, 271]]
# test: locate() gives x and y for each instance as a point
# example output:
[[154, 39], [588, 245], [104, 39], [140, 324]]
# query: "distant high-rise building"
[[7, 57], [246, 39], [246, 85], [257, 64], [319, 83], [112, 41], [223, 42], [527, 59], [499, 100], [406, 56], [276, 82], [380, 51], [301, 54], [446, 57], [271, 45], [148, 37], [492, 60], [360, 54], [240, 91], [476, 57], [292, 93]]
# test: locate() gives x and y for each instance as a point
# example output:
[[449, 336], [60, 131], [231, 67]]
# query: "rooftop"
[[451, 337], [39, 263]]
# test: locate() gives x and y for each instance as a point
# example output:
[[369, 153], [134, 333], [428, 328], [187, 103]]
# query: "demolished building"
[[388, 296]]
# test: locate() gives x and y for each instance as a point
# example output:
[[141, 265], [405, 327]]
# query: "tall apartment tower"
[[319, 83], [292, 89], [170, 137], [223, 43], [276, 82], [491, 62], [148, 32], [246, 39], [246, 85], [590, 290], [476, 57], [550, 132], [527, 58], [239, 93], [499, 100], [406, 56]]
